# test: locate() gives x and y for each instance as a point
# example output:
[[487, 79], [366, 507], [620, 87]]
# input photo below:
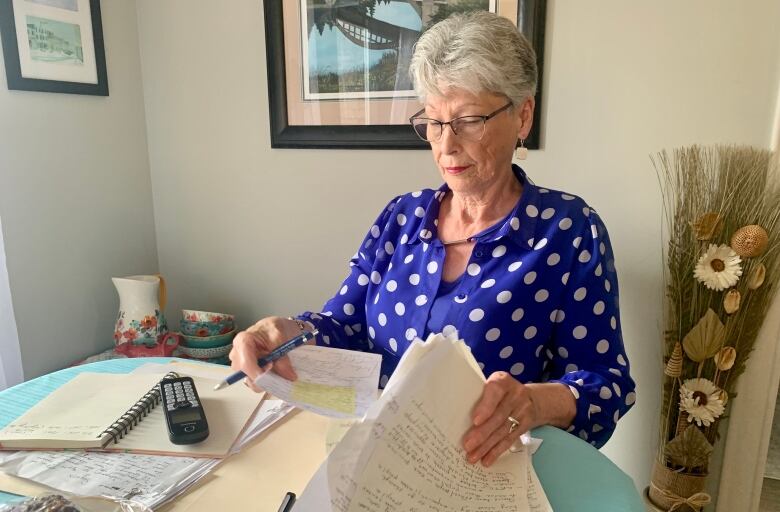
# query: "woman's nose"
[[448, 142]]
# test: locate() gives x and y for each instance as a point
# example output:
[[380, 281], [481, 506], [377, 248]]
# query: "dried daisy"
[[674, 365], [719, 268], [757, 276], [731, 301], [705, 338], [750, 241], [701, 399], [725, 358], [708, 226]]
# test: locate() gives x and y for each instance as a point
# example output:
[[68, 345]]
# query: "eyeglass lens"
[[469, 127]]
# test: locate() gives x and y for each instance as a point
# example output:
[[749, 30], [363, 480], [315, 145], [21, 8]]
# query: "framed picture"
[[338, 69], [54, 46]]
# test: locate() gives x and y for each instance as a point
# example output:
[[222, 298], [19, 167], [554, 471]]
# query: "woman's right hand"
[[257, 341]]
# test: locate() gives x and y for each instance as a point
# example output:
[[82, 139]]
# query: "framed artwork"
[[54, 46], [338, 69]]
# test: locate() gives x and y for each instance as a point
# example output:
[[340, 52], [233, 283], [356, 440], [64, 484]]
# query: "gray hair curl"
[[477, 51]]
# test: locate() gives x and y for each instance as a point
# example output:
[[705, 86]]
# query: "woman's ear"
[[525, 115]]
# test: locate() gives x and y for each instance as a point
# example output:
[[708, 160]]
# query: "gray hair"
[[477, 51]]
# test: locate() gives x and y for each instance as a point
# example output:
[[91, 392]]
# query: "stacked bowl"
[[207, 336]]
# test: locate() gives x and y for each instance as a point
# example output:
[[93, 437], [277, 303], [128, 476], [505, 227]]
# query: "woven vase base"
[[679, 484]]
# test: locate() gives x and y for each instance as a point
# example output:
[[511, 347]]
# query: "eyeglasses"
[[469, 127]]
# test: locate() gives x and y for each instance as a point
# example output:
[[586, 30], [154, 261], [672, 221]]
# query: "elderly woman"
[[524, 274]]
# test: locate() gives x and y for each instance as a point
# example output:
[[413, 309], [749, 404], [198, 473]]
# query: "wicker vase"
[[666, 483]]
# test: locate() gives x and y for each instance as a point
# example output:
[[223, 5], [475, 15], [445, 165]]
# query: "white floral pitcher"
[[141, 302]]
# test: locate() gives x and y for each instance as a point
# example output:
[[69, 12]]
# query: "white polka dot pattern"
[[538, 294]]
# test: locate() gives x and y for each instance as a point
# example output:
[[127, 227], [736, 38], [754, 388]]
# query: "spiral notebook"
[[118, 412]]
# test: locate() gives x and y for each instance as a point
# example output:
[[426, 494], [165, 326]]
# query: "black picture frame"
[[13, 69], [531, 18]]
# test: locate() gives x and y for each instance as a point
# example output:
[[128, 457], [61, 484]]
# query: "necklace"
[[456, 242]]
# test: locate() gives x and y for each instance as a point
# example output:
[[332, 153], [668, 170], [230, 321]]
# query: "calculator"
[[183, 410]]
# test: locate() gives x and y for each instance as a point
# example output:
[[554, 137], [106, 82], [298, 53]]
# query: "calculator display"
[[183, 416]]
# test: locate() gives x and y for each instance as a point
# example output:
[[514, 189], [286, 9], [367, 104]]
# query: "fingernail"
[[478, 420], [469, 445]]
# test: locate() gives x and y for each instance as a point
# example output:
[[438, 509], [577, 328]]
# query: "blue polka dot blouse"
[[539, 298]]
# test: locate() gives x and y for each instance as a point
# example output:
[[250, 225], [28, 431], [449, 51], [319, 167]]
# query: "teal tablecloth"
[[575, 476]]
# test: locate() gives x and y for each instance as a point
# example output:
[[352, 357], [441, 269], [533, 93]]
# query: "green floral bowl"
[[208, 341], [205, 353]]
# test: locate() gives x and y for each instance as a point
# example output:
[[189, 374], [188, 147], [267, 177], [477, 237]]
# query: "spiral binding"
[[135, 414]]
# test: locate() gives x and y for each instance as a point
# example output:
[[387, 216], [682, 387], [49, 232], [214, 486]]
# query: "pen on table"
[[272, 356], [287, 502]]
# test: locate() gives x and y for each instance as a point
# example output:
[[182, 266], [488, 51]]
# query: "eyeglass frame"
[[485, 119]]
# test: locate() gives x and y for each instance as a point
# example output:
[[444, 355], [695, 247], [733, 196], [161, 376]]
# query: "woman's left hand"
[[490, 435]]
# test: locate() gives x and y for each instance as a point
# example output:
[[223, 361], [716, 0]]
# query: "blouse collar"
[[519, 226]]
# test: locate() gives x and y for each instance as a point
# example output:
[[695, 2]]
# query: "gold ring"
[[514, 424]]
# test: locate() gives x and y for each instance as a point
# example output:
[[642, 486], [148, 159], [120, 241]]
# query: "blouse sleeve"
[[342, 322], [586, 351]]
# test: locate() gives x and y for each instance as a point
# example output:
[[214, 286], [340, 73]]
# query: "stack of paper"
[[406, 454], [331, 381]]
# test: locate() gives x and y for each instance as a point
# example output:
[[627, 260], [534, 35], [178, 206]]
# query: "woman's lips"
[[456, 170]]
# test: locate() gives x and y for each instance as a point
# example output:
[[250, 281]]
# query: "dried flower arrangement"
[[722, 206]]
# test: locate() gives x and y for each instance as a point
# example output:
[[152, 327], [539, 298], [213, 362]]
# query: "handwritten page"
[[332, 382], [406, 454], [537, 499], [337, 428], [424, 468], [103, 474]]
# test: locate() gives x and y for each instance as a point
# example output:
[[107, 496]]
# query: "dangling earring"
[[521, 153]]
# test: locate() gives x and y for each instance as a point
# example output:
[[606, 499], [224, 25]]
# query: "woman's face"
[[471, 167]]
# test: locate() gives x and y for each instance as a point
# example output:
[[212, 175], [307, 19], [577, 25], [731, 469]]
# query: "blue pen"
[[272, 356]]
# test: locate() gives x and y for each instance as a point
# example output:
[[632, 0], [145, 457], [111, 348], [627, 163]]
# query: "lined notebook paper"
[[81, 413]]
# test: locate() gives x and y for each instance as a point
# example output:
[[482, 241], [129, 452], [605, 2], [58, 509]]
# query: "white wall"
[[76, 203], [255, 231], [10, 356]]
